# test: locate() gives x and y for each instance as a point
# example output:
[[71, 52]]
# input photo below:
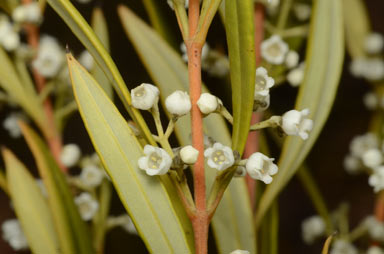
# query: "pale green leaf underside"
[[31, 207], [86, 35], [324, 60], [232, 223], [239, 27], [144, 197]]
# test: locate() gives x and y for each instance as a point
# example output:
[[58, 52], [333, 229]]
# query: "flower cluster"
[[14, 235]]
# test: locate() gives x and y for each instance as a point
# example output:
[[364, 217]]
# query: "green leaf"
[[85, 34], [30, 206], [99, 25], [232, 223], [239, 26], [357, 26], [73, 233], [25, 97], [144, 197], [324, 61]]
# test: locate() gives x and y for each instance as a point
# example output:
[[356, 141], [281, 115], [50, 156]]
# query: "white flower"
[[70, 155], [91, 176], [145, 96], [27, 13], [343, 247], [170, 3], [261, 167], [240, 171], [312, 228], [14, 235], [352, 164], [372, 158], [262, 84], [374, 43], [240, 252], [360, 144], [274, 49], [375, 250], [189, 154], [87, 205], [219, 156], [296, 123], [50, 57], [302, 11], [178, 103], [156, 161], [292, 59], [368, 68], [208, 103], [9, 39], [296, 76], [219, 67], [86, 60], [375, 228], [11, 125], [370, 100], [376, 180]]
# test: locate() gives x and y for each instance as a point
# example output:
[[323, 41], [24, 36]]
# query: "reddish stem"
[[200, 221], [379, 207], [252, 144], [50, 132]]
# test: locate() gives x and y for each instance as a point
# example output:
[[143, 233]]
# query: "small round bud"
[[145, 96], [372, 158], [292, 59], [70, 155], [189, 154], [178, 103], [207, 103]]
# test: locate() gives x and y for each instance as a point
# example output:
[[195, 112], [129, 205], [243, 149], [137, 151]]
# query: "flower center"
[[274, 50], [84, 207], [154, 161], [219, 157], [260, 83], [140, 92]]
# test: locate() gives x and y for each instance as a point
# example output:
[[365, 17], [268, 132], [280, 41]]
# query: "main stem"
[[200, 220], [50, 131]]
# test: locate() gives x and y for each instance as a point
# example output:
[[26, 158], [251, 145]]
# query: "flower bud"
[[296, 123], [70, 155], [178, 103], [208, 103], [189, 155]]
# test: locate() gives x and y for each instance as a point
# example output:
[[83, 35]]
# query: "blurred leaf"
[[3, 182], [144, 197], [357, 26], [169, 72], [73, 233], [85, 34], [25, 97], [99, 25], [239, 26], [30, 206], [159, 20], [324, 60]]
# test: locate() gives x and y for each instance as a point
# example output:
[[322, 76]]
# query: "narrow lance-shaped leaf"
[[232, 222], [73, 233], [85, 34], [357, 26], [26, 98], [324, 60], [239, 26], [99, 25], [31, 207], [144, 197]]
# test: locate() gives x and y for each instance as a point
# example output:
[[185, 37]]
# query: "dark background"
[[348, 118]]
